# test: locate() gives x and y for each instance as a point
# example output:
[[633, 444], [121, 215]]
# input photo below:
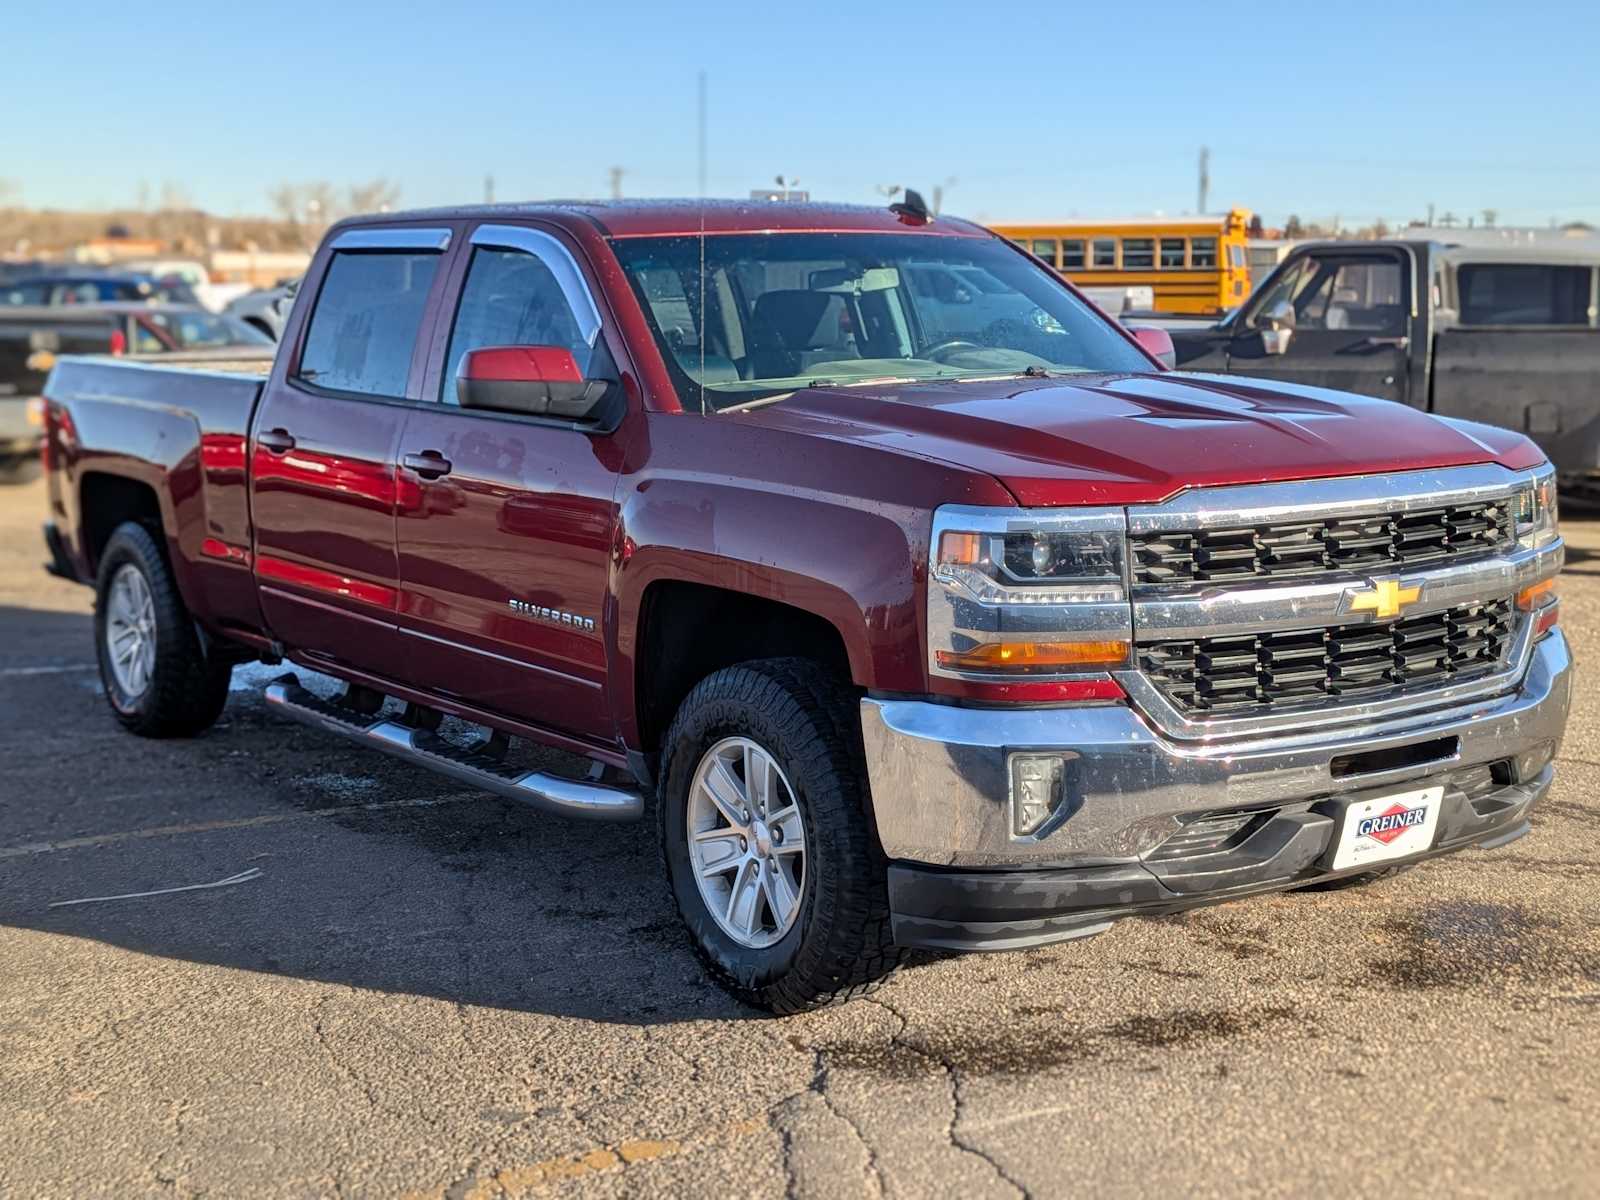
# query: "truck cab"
[[916, 619], [1507, 336]]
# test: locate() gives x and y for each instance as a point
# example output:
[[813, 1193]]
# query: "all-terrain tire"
[[840, 945], [187, 688]]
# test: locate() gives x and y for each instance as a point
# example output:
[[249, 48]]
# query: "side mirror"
[[1279, 316], [1277, 327], [1157, 343], [539, 381]]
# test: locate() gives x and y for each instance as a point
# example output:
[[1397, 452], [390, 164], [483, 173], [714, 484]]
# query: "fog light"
[[1036, 790]]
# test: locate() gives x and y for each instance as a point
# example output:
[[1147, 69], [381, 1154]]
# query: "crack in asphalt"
[[958, 1100], [819, 1084]]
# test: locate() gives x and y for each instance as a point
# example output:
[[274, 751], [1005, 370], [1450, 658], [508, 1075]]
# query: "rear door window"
[[364, 329], [1514, 294]]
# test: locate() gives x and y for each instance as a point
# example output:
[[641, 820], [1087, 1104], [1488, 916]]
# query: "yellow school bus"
[[1191, 264]]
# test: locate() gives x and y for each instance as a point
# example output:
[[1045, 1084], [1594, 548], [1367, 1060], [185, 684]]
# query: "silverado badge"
[[1385, 599]]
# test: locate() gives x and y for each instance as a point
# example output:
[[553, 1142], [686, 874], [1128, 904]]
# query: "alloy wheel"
[[747, 842], [130, 631]]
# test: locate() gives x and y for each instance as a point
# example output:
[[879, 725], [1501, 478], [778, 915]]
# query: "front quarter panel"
[[838, 530]]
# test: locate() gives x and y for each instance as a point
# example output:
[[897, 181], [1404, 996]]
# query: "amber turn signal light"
[[1537, 595], [960, 549], [1034, 656]]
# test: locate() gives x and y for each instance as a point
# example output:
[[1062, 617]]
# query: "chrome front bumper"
[[941, 774]]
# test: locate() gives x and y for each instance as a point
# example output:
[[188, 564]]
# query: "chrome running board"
[[551, 793]]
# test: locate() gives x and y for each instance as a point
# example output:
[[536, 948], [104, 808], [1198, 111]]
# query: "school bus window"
[[1236, 257], [1105, 252], [1138, 253], [1045, 248], [1171, 253], [1203, 252], [1072, 255]]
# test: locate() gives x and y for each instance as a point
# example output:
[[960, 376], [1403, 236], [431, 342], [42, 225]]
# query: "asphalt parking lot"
[[430, 992]]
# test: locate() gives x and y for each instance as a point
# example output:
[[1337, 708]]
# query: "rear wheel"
[[157, 676], [769, 849]]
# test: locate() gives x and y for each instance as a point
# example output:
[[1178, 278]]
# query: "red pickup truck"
[[922, 616]]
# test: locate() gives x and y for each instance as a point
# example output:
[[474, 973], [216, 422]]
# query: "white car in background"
[[265, 309], [214, 296]]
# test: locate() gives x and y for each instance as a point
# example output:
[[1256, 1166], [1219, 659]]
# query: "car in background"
[[103, 287], [207, 291], [32, 338], [266, 309]]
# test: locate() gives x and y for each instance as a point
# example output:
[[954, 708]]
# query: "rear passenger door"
[[1524, 353], [1348, 319], [323, 448], [505, 539]]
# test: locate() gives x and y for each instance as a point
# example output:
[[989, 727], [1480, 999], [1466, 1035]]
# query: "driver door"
[[1331, 318]]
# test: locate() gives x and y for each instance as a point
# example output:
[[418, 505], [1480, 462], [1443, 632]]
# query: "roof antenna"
[[913, 210]]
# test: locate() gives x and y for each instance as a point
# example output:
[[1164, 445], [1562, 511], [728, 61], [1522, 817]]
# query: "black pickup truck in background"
[[1506, 336]]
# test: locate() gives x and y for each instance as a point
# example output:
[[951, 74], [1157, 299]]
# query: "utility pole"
[[616, 174], [1430, 214], [488, 189], [1205, 177], [701, 129]]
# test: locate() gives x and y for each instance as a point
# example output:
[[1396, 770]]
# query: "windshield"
[[788, 310]]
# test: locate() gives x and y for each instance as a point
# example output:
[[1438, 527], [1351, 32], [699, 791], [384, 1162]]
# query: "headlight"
[[1033, 566], [1537, 511], [1027, 594]]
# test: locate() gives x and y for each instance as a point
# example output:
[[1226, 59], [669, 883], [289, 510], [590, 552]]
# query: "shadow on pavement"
[[375, 875]]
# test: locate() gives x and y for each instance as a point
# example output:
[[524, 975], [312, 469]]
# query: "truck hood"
[[1131, 439]]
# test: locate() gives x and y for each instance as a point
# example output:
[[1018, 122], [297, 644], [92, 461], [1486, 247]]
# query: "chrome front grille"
[[1366, 543], [1264, 672]]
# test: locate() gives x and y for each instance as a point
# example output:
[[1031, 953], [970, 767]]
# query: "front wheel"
[[769, 849], [157, 676]]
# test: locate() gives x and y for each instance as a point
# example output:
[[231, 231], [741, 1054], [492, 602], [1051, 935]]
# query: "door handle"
[[430, 464], [279, 441], [1390, 343]]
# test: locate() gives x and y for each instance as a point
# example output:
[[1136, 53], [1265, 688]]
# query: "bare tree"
[[379, 195], [175, 197], [309, 208]]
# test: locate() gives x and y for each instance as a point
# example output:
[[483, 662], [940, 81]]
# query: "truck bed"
[[181, 431]]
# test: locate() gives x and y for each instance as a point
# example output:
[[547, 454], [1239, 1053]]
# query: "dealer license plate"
[[1393, 826]]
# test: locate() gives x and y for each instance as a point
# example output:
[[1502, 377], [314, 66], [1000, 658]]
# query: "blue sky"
[[1366, 110]]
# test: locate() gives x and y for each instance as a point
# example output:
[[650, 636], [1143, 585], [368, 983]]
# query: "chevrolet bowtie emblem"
[[1386, 599]]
